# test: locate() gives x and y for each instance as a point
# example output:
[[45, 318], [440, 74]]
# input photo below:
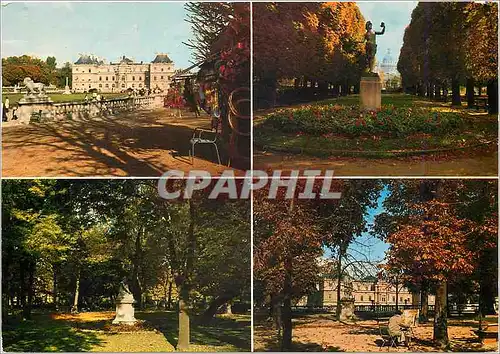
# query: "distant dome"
[[388, 64], [162, 58]]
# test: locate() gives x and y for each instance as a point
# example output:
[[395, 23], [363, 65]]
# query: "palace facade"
[[364, 293], [90, 72]]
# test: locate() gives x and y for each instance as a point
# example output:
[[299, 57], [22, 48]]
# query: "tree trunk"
[[74, 308], [438, 93], [440, 318], [185, 283], [183, 343], [286, 314], [424, 303], [31, 290], [21, 297], [55, 295], [492, 92], [397, 293], [338, 309], [469, 86], [136, 288], [169, 299], [455, 93], [211, 311]]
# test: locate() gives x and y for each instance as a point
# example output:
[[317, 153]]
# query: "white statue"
[[32, 86]]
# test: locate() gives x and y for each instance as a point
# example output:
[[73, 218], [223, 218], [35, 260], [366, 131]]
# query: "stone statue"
[[371, 44], [31, 86], [124, 305], [124, 289]]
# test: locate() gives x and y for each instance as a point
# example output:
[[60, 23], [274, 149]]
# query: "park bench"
[[481, 102]]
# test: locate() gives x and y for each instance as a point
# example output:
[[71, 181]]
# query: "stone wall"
[[49, 111]]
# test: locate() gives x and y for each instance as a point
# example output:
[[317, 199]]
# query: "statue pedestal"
[[125, 310], [29, 105], [37, 99], [370, 92], [67, 91], [347, 309]]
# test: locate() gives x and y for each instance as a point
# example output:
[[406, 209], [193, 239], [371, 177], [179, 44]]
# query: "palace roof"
[[88, 59], [162, 58]]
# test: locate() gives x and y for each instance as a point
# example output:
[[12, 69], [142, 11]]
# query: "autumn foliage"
[[448, 44], [315, 44]]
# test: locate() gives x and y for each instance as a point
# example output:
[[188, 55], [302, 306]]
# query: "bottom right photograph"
[[401, 265]]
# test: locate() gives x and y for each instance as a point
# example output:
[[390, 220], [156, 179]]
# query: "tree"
[[433, 230]]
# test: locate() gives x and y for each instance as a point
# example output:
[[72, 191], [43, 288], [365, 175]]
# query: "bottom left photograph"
[[110, 266]]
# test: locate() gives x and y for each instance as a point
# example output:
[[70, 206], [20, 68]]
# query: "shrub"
[[351, 121]]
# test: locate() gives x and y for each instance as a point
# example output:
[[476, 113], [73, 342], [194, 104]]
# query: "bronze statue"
[[371, 44]]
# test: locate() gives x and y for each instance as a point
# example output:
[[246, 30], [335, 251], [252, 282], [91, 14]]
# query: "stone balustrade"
[[46, 111]]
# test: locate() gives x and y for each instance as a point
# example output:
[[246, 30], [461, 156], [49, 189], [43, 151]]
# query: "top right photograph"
[[376, 89]]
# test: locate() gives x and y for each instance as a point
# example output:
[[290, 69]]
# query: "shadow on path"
[[142, 143]]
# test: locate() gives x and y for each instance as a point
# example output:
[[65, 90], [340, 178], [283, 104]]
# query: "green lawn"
[[93, 332], [58, 97], [480, 128]]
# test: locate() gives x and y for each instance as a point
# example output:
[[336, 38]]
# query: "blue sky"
[[139, 30], [108, 30], [396, 16], [375, 248]]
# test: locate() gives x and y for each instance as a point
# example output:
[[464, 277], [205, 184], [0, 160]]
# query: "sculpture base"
[[370, 93], [125, 310], [30, 99], [347, 310], [67, 91], [125, 313]]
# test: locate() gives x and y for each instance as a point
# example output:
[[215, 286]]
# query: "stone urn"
[[125, 307]]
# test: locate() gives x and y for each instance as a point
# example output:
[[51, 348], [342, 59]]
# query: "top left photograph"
[[125, 89]]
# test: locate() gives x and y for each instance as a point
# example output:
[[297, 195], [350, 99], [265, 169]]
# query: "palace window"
[[100, 78], [140, 85], [383, 299], [140, 78], [154, 78], [133, 78], [106, 78], [89, 79], [361, 297], [161, 69], [123, 85], [76, 78], [112, 78], [133, 85], [393, 299], [90, 71], [100, 85], [161, 77], [123, 78], [112, 85], [401, 299], [369, 298], [107, 85], [90, 86]]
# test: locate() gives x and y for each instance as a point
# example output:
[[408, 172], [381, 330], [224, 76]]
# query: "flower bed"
[[350, 121]]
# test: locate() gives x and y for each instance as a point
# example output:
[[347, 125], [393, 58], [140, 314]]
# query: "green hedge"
[[351, 121]]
